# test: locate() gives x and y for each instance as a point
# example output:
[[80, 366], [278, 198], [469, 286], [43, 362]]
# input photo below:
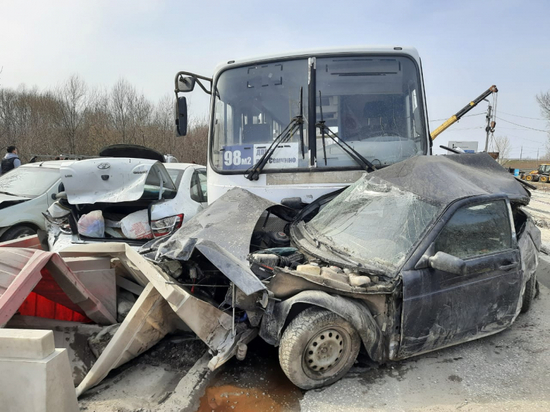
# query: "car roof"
[[444, 179], [51, 164], [181, 166]]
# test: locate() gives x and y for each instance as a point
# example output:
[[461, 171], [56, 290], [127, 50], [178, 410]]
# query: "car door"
[[441, 308]]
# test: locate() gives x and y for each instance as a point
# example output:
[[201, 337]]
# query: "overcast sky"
[[465, 46]]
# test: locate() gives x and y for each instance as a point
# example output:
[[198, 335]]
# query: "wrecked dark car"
[[420, 255]]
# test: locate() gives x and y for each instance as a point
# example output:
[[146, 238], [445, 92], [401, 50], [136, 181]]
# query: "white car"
[[26, 192], [125, 199]]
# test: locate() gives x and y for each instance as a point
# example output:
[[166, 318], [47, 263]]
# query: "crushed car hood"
[[111, 180], [222, 233], [445, 179]]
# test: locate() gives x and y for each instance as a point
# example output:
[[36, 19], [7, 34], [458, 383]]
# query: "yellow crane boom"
[[454, 118]]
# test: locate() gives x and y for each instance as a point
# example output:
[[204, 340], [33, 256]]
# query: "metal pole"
[[521, 153], [488, 128]]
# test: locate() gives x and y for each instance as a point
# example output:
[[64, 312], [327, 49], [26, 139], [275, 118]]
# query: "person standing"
[[11, 160]]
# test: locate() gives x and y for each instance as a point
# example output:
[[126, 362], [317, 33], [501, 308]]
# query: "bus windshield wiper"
[[354, 154], [296, 125]]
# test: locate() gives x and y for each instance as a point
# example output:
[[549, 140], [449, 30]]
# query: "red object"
[[36, 305], [38, 283]]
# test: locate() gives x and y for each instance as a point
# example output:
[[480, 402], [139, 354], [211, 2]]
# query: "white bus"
[[308, 123]]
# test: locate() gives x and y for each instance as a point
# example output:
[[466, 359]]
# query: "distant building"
[[466, 146]]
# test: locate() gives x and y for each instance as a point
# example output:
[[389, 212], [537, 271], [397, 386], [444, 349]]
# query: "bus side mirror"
[[186, 84], [181, 116]]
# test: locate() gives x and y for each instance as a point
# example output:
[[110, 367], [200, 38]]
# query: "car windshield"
[[28, 181], [375, 224], [371, 102]]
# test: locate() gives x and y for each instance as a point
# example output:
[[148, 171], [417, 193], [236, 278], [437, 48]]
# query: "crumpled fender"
[[222, 233], [352, 310]]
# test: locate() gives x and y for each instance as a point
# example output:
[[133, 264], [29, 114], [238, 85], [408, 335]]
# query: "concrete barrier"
[[34, 375]]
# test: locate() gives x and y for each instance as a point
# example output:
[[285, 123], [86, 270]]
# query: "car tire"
[[529, 177], [529, 294], [18, 232], [317, 348], [543, 179]]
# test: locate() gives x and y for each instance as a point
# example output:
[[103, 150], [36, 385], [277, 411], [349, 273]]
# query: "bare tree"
[[501, 144], [544, 102], [123, 96], [75, 119], [141, 115], [72, 107]]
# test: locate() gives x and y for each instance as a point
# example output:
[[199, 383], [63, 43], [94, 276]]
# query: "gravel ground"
[[539, 208], [505, 372]]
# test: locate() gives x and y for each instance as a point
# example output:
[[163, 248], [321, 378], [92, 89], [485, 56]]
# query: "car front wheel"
[[17, 232], [317, 348]]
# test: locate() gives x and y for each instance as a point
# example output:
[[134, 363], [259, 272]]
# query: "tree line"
[[74, 119]]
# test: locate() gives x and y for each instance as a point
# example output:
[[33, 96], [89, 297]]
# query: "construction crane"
[[456, 117]]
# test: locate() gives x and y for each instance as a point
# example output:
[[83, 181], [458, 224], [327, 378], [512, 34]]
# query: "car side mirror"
[[447, 263], [181, 115]]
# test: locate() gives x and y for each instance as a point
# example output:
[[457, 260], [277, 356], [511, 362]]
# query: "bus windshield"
[[372, 103]]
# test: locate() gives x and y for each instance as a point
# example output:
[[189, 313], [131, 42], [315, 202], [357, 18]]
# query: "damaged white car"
[[133, 200]]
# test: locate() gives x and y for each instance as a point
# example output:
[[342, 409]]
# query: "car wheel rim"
[[325, 352]]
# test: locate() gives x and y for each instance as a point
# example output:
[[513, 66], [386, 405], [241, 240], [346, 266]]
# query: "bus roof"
[[397, 50]]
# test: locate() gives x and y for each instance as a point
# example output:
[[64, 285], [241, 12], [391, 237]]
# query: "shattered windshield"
[[372, 223]]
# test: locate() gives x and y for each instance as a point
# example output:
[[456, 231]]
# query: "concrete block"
[[26, 344], [30, 383], [73, 336]]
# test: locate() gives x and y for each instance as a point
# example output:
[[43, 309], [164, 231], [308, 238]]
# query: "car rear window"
[[175, 175], [28, 181]]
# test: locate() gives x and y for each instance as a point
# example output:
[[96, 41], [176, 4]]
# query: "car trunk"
[[115, 198]]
